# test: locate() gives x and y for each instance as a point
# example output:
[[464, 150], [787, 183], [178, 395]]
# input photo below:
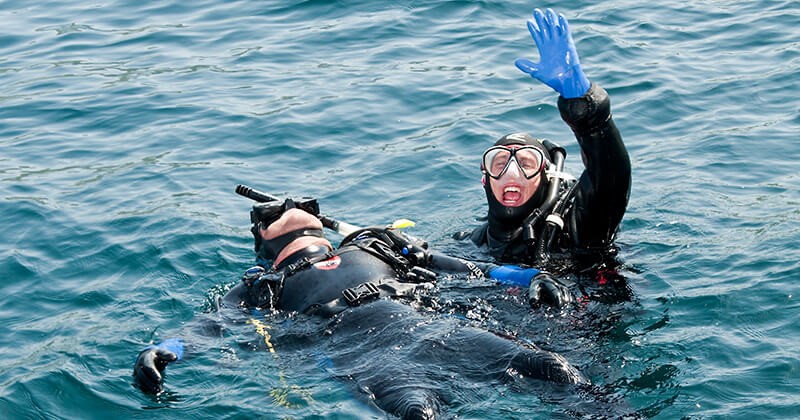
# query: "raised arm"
[[604, 186]]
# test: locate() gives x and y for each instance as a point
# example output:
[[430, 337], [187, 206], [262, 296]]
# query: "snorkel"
[[555, 176], [306, 203]]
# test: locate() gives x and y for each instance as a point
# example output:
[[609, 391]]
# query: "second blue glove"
[[513, 275]]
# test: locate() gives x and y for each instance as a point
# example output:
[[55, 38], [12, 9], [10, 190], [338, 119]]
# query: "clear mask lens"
[[498, 159]]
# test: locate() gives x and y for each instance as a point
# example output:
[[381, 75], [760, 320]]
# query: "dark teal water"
[[125, 126]]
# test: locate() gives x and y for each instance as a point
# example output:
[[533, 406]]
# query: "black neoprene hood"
[[503, 219]]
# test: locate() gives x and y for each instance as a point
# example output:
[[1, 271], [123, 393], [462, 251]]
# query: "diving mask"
[[497, 160], [265, 214]]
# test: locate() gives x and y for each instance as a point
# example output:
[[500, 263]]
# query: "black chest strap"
[[367, 292], [270, 248]]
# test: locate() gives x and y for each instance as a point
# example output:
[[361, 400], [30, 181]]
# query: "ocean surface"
[[125, 126]]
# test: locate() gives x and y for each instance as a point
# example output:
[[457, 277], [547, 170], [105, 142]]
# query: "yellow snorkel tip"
[[401, 224]]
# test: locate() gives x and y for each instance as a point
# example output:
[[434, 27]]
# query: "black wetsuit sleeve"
[[604, 185], [444, 263], [202, 334]]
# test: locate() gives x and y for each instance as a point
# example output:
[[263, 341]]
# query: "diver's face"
[[514, 172], [513, 189]]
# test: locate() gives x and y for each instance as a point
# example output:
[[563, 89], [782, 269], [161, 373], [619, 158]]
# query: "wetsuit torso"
[[324, 281], [601, 196], [315, 281]]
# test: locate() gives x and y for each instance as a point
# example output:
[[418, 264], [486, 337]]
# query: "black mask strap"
[[272, 247]]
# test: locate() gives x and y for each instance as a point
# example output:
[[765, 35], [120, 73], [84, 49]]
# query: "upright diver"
[[534, 207]]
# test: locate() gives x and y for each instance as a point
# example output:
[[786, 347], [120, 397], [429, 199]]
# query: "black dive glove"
[[151, 362], [547, 289]]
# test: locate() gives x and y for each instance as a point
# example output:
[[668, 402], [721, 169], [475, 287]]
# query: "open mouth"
[[511, 196]]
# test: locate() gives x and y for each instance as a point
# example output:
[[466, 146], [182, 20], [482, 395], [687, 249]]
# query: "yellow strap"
[[284, 395], [261, 329]]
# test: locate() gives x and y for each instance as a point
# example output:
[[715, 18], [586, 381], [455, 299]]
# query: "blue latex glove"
[[559, 66], [151, 362], [513, 275]]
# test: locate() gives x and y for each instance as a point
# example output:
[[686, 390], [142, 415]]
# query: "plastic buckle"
[[355, 296], [252, 274], [420, 275]]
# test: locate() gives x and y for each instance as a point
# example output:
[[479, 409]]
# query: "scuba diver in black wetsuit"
[[534, 208], [361, 287]]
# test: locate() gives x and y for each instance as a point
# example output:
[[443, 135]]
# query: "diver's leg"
[[541, 364], [479, 353], [361, 349]]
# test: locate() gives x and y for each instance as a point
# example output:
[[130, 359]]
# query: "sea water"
[[124, 127]]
